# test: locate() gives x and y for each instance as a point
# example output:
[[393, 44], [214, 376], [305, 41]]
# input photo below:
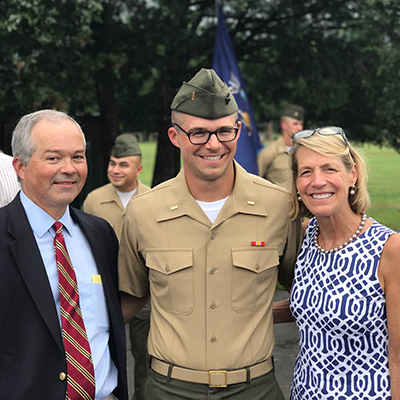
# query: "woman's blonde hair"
[[333, 146]]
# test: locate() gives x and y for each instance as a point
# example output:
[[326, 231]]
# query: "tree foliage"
[[124, 60], [41, 41]]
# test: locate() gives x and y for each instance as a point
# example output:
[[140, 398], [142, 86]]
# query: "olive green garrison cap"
[[125, 145], [205, 96], [294, 111]]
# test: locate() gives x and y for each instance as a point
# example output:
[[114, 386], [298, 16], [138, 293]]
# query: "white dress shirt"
[[9, 185]]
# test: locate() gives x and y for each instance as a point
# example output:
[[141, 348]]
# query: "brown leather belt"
[[218, 378]]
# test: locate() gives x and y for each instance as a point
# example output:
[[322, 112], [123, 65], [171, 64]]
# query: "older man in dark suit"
[[61, 328]]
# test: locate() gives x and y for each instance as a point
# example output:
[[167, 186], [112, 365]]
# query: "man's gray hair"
[[22, 144]]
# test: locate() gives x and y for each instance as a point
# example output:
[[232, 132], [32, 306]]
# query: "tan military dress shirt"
[[274, 164], [211, 285], [104, 202]]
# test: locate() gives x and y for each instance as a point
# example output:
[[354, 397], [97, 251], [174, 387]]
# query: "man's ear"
[[19, 167], [173, 136], [240, 129]]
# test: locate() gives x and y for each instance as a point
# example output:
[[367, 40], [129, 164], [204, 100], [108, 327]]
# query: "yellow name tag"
[[96, 279]]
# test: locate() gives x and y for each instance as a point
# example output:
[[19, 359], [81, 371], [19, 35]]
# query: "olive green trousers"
[[158, 387]]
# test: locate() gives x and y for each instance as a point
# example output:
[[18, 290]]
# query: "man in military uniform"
[[124, 167], [109, 202], [274, 160], [207, 248]]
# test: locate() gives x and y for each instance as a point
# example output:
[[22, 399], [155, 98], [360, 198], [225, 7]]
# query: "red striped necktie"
[[80, 376]]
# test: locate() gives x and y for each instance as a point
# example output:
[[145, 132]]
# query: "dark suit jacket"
[[31, 345]]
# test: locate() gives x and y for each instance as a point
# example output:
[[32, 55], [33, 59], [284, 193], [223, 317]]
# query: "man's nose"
[[67, 166], [213, 142]]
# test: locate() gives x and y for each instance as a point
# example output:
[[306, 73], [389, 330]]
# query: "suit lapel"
[[30, 264]]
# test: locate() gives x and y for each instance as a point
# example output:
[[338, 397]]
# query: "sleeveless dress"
[[340, 311]]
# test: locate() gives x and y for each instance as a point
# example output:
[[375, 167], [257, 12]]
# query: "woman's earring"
[[298, 196], [353, 190]]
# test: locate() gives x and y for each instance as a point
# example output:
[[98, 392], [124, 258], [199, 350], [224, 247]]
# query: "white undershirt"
[[126, 196], [212, 208]]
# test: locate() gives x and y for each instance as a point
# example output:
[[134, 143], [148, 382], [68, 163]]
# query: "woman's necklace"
[[358, 231]]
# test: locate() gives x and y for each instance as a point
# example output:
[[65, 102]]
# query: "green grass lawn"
[[384, 184], [148, 160], [384, 180]]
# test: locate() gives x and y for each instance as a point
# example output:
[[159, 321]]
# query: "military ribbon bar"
[[257, 243]]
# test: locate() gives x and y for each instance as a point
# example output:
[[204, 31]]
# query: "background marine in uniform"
[[109, 202], [274, 160]]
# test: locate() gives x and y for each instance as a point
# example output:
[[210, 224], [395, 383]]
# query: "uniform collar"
[[245, 194], [141, 188], [282, 148], [179, 202], [244, 199], [110, 195]]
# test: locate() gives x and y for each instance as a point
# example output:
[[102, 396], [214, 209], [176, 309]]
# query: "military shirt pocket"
[[171, 278], [254, 277]]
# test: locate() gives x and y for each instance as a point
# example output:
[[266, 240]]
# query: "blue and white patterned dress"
[[339, 308]]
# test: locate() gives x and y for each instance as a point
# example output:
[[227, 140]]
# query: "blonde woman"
[[346, 292]]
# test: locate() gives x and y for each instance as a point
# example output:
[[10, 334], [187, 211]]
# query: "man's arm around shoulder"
[[281, 312], [131, 305]]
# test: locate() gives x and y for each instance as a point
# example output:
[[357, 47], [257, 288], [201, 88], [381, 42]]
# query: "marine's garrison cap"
[[205, 96], [126, 145], [294, 111]]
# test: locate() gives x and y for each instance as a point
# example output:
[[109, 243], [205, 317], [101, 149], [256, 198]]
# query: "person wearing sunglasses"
[[208, 246], [274, 160], [345, 296]]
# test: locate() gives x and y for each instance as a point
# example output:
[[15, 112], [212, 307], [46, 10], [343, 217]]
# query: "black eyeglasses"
[[201, 136], [325, 131]]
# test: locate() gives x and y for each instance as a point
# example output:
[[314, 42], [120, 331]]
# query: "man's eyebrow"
[[208, 130], [52, 151], [59, 151]]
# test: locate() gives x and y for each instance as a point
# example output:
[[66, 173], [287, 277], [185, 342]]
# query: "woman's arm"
[[389, 277]]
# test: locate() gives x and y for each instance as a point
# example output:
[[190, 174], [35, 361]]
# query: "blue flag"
[[225, 65]]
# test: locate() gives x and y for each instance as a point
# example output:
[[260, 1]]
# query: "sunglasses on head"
[[324, 131]]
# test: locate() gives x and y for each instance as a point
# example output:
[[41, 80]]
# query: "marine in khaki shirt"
[[274, 160], [211, 276], [105, 203], [109, 202], [125, 165]]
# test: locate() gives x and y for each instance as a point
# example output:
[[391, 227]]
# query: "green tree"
[[39, 40], [338, 59], [123, 60]]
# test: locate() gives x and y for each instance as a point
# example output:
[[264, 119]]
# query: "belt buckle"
[[213, 373]]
